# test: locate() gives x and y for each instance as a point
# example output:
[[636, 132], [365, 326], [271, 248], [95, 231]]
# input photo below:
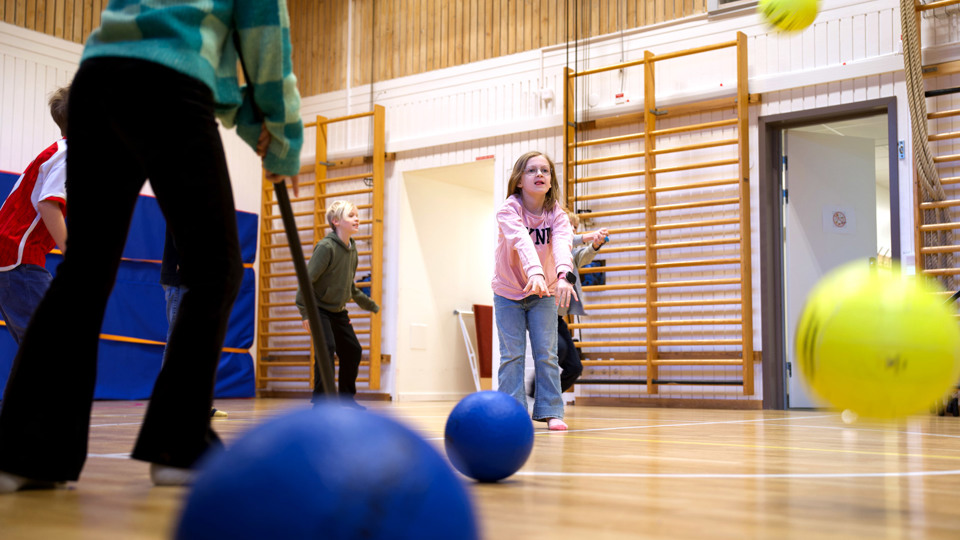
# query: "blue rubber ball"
[[329, 472], [488, 436]]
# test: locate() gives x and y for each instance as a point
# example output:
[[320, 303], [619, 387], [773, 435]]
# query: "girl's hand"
[[536, 285], [306, 324], [565, 292]]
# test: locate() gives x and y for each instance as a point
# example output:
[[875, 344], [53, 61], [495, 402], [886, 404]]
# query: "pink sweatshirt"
[[529, 245]]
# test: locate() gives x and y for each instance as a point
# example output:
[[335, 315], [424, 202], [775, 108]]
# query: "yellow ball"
[[789, 15], [877, 343]]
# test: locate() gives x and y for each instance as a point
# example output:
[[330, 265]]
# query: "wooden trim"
[[673, 403]]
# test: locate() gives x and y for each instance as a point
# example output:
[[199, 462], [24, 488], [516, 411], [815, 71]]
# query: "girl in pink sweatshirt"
[[532, 276]]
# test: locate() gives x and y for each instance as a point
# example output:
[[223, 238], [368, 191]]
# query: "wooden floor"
[[618, 473]]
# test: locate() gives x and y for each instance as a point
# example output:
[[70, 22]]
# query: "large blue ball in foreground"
[[488, 436], [330, 472]]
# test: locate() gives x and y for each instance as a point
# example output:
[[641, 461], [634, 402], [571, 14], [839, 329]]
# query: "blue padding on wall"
[[136, 309]]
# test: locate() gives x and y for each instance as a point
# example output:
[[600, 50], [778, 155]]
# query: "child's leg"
[[349, 352], [21, 290], [542, 321], [568, 357], [327, 328], [512, 334]]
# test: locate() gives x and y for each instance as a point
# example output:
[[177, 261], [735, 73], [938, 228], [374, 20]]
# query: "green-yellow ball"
[[789, 15], [877, 343]]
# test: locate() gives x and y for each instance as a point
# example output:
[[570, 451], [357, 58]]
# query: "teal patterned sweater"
[[195, 37]]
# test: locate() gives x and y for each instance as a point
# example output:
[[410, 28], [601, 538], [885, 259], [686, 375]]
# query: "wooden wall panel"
[[396, 38]]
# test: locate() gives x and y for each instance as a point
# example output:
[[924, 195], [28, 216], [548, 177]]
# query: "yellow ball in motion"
[[789, 15], [877, 343]]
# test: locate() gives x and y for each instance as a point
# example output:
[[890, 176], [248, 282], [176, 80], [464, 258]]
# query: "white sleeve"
[[53, 176]]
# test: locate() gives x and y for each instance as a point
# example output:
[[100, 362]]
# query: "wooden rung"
[[280, 231], [697, 243], [696, 185], [362, 222], [615, 287], [286, 379], [698, 262], [694, 283], [278, 289], [619, 230], [583, 344], [939, 249], [278, 274], [298, 333], [277, 304], [640, 324], [606, 269], [946, 158], [345, 178], [944, 136], [608, 213], [363, 253], [602, 363], [264, 364], [700, 165], [697, 362], [696, 127], [940, 227], [630, 193], [285, 349], [693, 224], [703, 302], [614, 67], [950, 180], [588, 179], [943, 114], [933, 5], [343, 193], [694, 322], [695, 50], [624, 249], [942, 271], [695, 146], [279, 319], [606, 159], [279, 260], [338, 119], [622, 305], [697, 204], [695, 342], [607, 140]]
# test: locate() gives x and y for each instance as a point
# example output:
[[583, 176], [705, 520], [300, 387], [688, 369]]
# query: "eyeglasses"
[[533, 171]]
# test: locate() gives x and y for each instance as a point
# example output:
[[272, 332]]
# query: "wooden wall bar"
[[396, 38]]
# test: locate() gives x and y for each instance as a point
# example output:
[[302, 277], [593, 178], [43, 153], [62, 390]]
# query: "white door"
[[830, 217]]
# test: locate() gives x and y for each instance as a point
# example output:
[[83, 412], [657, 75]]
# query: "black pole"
[[306, 289]]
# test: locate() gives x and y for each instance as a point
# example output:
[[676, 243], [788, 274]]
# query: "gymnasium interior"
[[735, 164]]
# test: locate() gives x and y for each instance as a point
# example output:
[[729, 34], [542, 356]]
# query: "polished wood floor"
[[618, 473]]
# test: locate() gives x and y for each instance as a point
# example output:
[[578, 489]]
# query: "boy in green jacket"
[[332, 269]]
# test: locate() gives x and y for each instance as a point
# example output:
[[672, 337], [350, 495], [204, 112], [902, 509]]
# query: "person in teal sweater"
[[332, 269], [144, 103]]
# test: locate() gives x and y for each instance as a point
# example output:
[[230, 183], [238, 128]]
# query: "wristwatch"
[[570, 277]]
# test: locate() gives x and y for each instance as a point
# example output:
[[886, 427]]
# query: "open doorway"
[[828, 195], [447, 235]]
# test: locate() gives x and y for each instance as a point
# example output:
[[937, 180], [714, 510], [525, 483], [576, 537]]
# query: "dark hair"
[[553, 194], [58, 107]]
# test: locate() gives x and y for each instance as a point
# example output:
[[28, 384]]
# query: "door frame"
[[770, 130]]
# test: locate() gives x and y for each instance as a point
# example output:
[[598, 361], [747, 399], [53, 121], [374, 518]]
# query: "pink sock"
[[556, 424]]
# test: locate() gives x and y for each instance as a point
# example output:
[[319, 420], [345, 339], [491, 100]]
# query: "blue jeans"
[[514, 319], [172, 294], [21, 290]]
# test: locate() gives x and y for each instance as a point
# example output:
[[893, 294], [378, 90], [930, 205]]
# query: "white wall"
[[446, 237]]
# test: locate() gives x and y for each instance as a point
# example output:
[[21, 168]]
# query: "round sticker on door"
[[839, 219]]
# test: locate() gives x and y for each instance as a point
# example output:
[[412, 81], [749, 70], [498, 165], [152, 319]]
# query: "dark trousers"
[[568, 356], [129, 120], [342, 340]]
